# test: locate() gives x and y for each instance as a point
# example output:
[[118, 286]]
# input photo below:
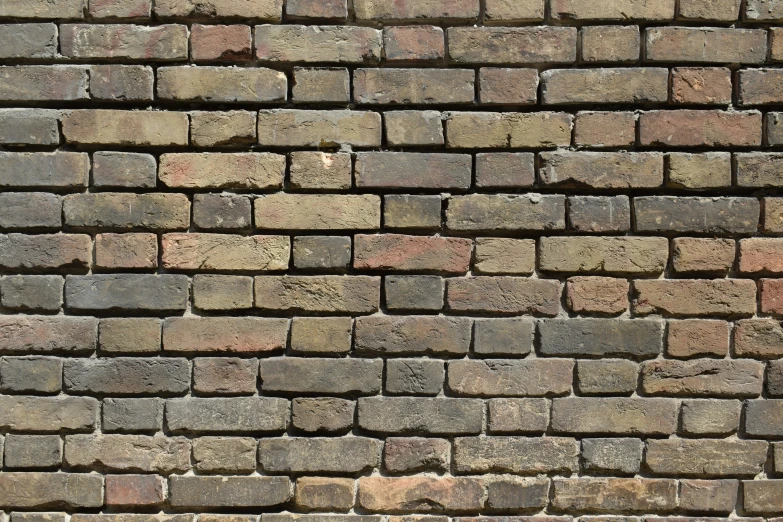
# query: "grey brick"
[[226, 415], [127, 376], [28, 126], [128, 453], [706, 457], [132, 415], [710, 416], [345, 456], [42, 334], [21, 210], [519, 455], [601, 337], [124, 170], [127, 292], [612, 456], [718, 216], [52, 490], [323, 253], [29, 40], [195, 492], [510, 378], [414, 376], [440, 416], [411, 212], [607, 377], [123, 211], [503, 337], [31, 374], [762, 418], [231, 455], [315, 415], [416, 335], [48, 414], [33, 293], [614, 415], [221, 211], [33, 451], [55, 170], [325, 376], [414, 293], [599, 213], [416, 454]]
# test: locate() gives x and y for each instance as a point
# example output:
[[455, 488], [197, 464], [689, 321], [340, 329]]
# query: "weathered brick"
[[132, 128], [607, 377], [32, 451], [710, 417], [705, 45], [602, 169], [718, 216], [414, 335], [621, 255], [25, 83], [32, 293], [124, 169], [691, 254], [758, 169], [66, 252], [323, 253], [194, 492], [621, 10], [614, 415], [503, 295], [121, 82], [599, 213], [414, 292], [48, 414], [613, 44], [325, 376], [771, 293], [701, 85], [695, 297], [518, 415], [762, 496], [324, 494], [232, 455], [225, 252], [605, 129], [435, 416], [312, 43], [126, 251], [271, 10], [354, 294], [698, 171], [224, 376], [713, 496], [512, 45], [760, 255], [758, 338], [318, 9], [694, 337], [413, 128], [509, 378], [509, 494], [50, 490], [345, 456], [120, 8], [411, 455], [413, 43], [615, 494], [135, 453], [409, 10], [224, 334], [222, 212], [126, 517], [776, 44], [129, 335], [414, 377], [626, 85], [772, 218], [31, 374], [321, 171], [759, 87], [42, 334], [597, 295], [489, 212], [118, 211], [29, 40], [29, 126], [694, 128], [318, 212], [706, 457], [325, 335], [127, 376], [412, 212], [601, 337], [494, 256], [236, 415], [505, 169], [220, 42], [502, 12], [703, 378], [503, 337], [124, 42], [134, 490], [221, 84], [132, 415], [412, 253], [398, 170], [616, 456], [420, 494], [515, 455], [222, 128], [127, 292], [32, 516], [321, 84], [716, 11], [471, 130], [238, 171], [222, 292], [54, 170], [413, 86], [317, 415]]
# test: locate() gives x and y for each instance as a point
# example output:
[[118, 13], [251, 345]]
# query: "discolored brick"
[[316, 415], [596, 129], [220, 42], [222, 128], [132, 415], [224, 334], [344, 456], [435, 416], [603, 255], [124, 169], [321, 376], [414, 293], [522, 45], [412, 212], [503, 337], [701, 85], [231, 455], [32, 293], [413, 43], [697, 337], [129, 335], [597, 295], [610, 456], [221, 212], [413, 128], [607, 377], [135, 453], [134, 490], [324, 294], [610, 44], [505, 169], [321, 335], [312, 44], [324, 494], [225, 252], [698, 171], [614, 415], [31, 374], [420, 493], [224, 376], [710, 417], [321, 85], [519, 455], [470, 130], [599, 213], [503, 295], [518, 415], [695, 297], [126, 251]]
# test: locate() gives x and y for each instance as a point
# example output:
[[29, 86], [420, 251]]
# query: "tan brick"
[[220, 42], [695, 297], [393, 86], [706, 457], [472, 130], [692, 254], [597, 295], [67, 252], [761, 255], [43, 9], [518, 415], [610, 43], [502, 12], [314, 44], [776, 44], [643, 495], [486, 212], [602, 169], [709, 10], [714, 496], [222, 292], [621, 255], [705, 45], [413, 43], [503, 295], [221, 84], [124, 41], [244, 335], [113, 127], [271, 10], [698, 171], [120, 9], [701, 85], [515, 455], [508, 86], [510, 378], [605, 129], [222, 128], [296, 128], [225, 252], [318, 212], [761, 10], [614, 415], [113, 251], [65, 490], [758, 338], [420, 493], [321, 84], [318, 9], [418, 10], [247, 170], [499, 256], [44, 83], [412, 253], [694, 128], [347, 294], [621, 10], [715, 216], [324, 335], [758, 169], [626, 85], [413, 128], [703, 378], [320, 170], [324, 494], [694, 337], [772, 221], [519, 45], [762, 496]]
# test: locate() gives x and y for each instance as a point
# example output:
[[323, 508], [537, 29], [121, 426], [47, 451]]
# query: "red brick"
[[701, 85], [605, 129], [220, 42], [412, 253], [693, 128], [772, 296], [134, 490], [696, 337], [761, 255], [413, 43], [508, 86], [420, 494]]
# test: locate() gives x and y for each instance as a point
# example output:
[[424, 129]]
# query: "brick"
[[597, 295], [759, 87], [695, 337], [220, 42], [411, 212], [132, 128], [135, 453], [774, 128], [620, 255], [54, 170], [127, 376], [222, 128], [408, 10], [120, 9], [236, 415], [705, 45], [413, 86], [32, 451], [701, 85], [123, 211], [25, 83], [32, 293], [698, 171], [134, 490], [508, 378], [703, 378], [124, 517], [224, 376], [214, 492], [621, 10], [29, 126], [420, 493], [772, 218], [760, 255], [313, 44], [325, 294], [414, 293], [317, 212], [127, 292], [100, 41], [512, 494], [757, 169], [414, 335], [614, 415], [691, 254], [490, 212], [239, 171], [758, 338], [508, 86], [762, 496], [31, 374], [413, 43], [222, 292], [620, 456], [344, 456], [222, 212], [324, 376], [695, 128], [626, 85], [317, 9], [221, 84], [321, 84], [495, 256], [602, 169], [413, 128], [505, 169], [607, 377], [324, 493], [67, 252], [713, 496], [760, 10], [612, 44], [710, 417], [320, 170], [771, 294], [129, 335], [271, 10], [605, 129], [38, 40], [515, 455], [48, 414], [434, 416], [503, 295], [716, 11], [21, 516], [225, 454], [504, 11], [601, 337], [695, 297], [42, 334], [776, 45], [132, 415], [51, 490], [121, 82], [502, 337], [706, 457], [126, 251], [640, 495], [718, 216], [761, 417], [414, 377], [519, 45], [225, 252], [324, 335], [401, 170], [412, 253], [124, 170], [318, 415], [518, 415], [224, 334], [508, 130]]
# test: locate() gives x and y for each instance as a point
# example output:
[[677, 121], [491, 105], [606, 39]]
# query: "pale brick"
[[705, 45], [695, 337], [518, 415], [324, 493], [224, 376], [606, 85], [500, 256], [133, 128], [710, 417], [244, 335], [602, 169], [324, 294], [760, 255], [129, 335], [703, 378], [509, 378], [235, 415], [413, 86], [222, 292], [412, 253], [615, 456], [510, 212], [412, 10], [420, 493], [271, 10], [605, 129], [204, 493], [26, 83], [221, 84], [321, 85], [29, 126], [640, 495], [124, 42], [700, 128], [693, 254], [758, 169], [515, 455], [127, 376], [120, 8], [614, 415], [231, 455], [508, 130], [50, 490], [221, 43], [321, 335], [222, 128], [621, 255], [607, 377], [611, 44], [502, 12], [520, 45], [701, 85], [318, 212], [312, 44], [225, 252], [137, 453], [712, 496], [695, 297], [414, 377], [699, 171], [413, 128], [126, 251], [320, 171], [706, 457], [758, 338], [318, 9], [621, 10], [312, 128]]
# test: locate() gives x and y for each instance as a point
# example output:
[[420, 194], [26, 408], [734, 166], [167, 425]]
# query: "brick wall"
[[391, 260]]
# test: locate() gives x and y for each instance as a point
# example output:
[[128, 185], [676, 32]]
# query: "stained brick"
[[224, 334], [271, 10], [138, 453], [705, 45], [225, 252], [345, 456], [132, 128], [48, 414], [413, 86], [402, 170], [610, 44], [220, 42], [626, 85], [703, 378], [435, 416], [614, 415], [412, 335], [512, 45], [413, 43], [345, 294], [411, 253], [216, 492], [472, 130], [623, 10], [695, 128], [706, 457], [695, 297], [163, 42], [615, 494], [410, 10], [717, 216], [515, 455], [126, 292], [324, 376], [237, 415], [221, 84], [503, 295], [420, 493], [509, 378], [26, 83], [52, 490], [489, 212], [621, 255], [310, 44]]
